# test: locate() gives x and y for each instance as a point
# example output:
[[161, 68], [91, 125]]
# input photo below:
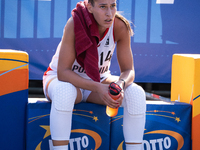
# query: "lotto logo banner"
[[90, 127], [168, 126], [117, 137]]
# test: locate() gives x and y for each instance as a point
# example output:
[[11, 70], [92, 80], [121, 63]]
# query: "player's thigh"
[[79, 96], [55, 82]]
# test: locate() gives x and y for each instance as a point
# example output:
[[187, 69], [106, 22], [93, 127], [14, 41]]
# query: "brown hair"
[[127, 23], [119, 16], [91, 1]]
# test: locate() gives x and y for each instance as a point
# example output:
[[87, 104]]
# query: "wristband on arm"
[[124, 82]]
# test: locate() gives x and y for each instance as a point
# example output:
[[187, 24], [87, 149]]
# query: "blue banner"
[[162, 28], [168, 126], [90, 127]]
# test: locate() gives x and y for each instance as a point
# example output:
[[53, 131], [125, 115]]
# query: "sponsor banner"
[[168, 126], [90, 127], [117, 137]]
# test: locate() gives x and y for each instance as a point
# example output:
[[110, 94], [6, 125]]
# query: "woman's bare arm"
[[66, 59], [124, 53]]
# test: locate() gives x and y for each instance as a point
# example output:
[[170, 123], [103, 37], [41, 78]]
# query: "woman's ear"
[[89, 7]]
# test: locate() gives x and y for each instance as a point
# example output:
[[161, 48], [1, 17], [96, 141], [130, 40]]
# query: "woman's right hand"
[[103, 92]]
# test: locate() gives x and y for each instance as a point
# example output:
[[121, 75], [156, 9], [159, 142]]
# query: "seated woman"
[[79, 71]]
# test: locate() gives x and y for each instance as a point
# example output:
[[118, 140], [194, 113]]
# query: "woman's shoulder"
[[119, 23], [69, 28], [70, 23]]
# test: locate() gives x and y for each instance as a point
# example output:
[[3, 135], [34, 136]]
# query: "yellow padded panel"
[[185, 87], [13, 71]]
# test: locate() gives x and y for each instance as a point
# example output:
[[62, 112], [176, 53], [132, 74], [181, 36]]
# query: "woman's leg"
[[134, 104], [63, 96]]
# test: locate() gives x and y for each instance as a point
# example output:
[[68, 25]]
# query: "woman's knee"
[[135, 99], [63, 96]]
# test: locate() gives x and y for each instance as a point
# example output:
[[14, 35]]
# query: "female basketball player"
[[79, 71]]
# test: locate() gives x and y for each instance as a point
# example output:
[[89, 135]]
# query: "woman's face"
[[104, 12]]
